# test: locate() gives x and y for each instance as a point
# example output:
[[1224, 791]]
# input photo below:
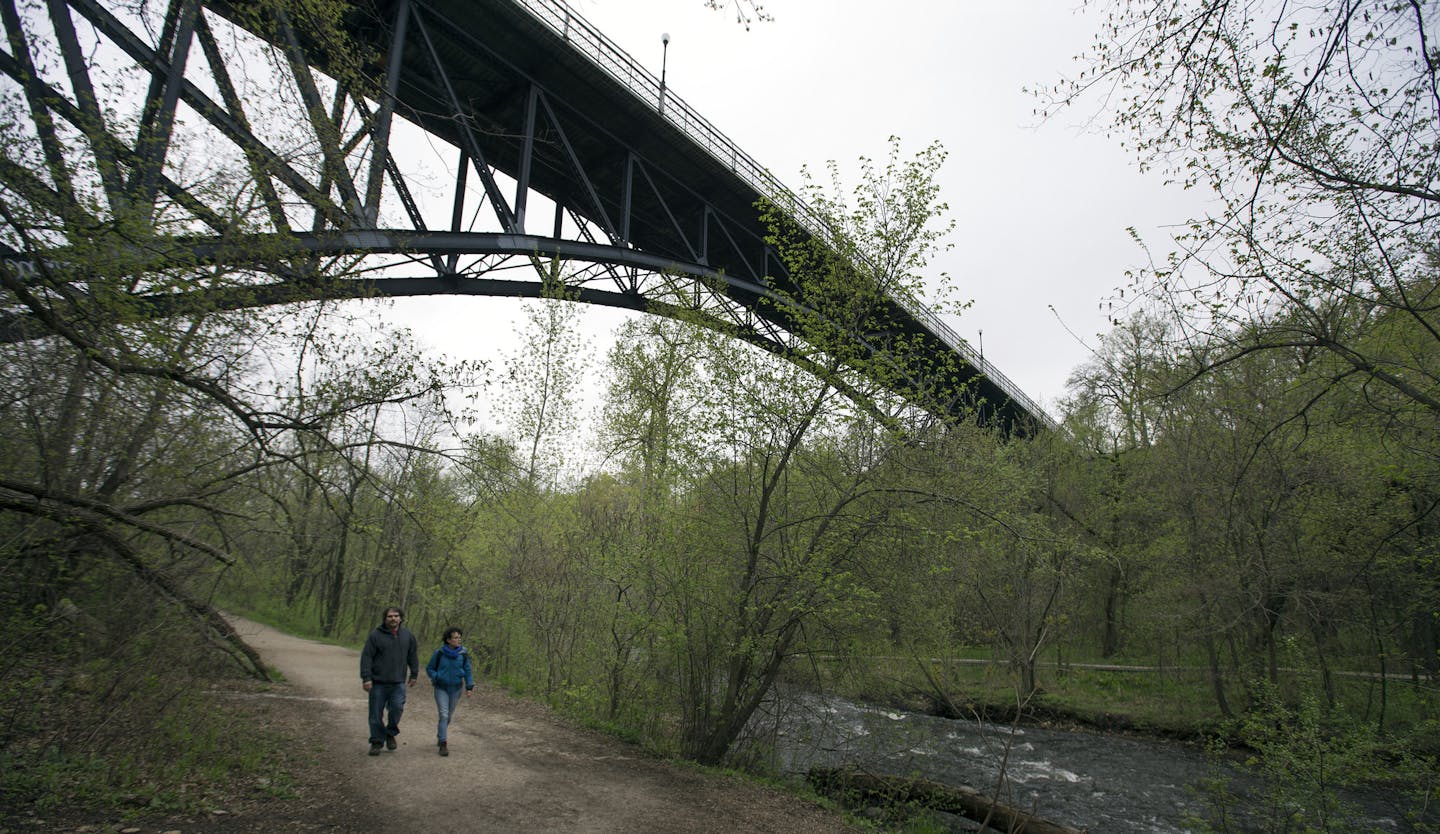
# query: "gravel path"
[[513, 766]]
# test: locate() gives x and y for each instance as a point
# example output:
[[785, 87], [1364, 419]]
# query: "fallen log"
[[848, 785]]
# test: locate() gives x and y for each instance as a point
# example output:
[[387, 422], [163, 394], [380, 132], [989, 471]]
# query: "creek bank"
[[1086, 780], [1044, 715], [1089, 780], [854, 788]]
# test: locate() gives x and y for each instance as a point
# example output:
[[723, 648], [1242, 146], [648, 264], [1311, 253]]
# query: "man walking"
[[389, 651]]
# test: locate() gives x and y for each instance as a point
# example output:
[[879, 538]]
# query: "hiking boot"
[[444, 749], [374, 748], [389, 742]]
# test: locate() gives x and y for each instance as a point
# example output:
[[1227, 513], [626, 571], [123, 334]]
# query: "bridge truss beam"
[[416, 142]]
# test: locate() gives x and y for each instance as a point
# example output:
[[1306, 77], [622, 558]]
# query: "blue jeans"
[[446, 700], [385, 697]]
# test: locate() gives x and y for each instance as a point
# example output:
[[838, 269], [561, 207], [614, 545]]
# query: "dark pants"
[[385, 697]]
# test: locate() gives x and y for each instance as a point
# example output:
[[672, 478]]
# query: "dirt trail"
[[513, 766]]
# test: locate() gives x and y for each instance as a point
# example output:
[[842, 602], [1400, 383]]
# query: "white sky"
[[1041, 210]]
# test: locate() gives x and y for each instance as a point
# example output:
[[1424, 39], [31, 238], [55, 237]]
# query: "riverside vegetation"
[[1241, 494]]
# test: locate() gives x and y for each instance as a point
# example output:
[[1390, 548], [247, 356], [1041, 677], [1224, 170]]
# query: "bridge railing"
[[617, 63]]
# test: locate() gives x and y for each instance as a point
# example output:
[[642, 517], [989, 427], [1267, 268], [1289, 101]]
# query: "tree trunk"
[[849, 786], [217, 626], [1110, 640], [1217, 678], [334, 595]]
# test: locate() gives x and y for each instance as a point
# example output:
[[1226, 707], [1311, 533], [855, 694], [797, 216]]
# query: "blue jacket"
[[450, 672]]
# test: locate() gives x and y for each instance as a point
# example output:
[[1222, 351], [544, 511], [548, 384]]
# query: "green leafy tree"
[[545, 559], [1115, 411], [651, 433], [776, 560], [101, 276], [1316, 128], [544, 379]]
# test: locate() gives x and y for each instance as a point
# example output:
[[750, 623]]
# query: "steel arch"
[[650, 205]]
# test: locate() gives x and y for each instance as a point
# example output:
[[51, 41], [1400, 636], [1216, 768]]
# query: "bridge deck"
[[546, 99]]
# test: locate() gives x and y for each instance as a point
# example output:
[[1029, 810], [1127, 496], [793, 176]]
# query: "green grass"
[[166, 752], [289, 621], [128, 717]]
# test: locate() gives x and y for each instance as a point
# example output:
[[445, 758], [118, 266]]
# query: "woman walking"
[[449, 671]]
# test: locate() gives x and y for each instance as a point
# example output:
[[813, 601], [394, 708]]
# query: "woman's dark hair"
[[451, 630]]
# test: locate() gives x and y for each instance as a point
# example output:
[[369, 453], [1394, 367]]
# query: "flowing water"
[[1100, 783]]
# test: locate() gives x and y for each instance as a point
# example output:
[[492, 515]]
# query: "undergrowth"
[[112, 701]]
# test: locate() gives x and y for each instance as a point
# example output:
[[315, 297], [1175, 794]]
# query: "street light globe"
[[665, 38]]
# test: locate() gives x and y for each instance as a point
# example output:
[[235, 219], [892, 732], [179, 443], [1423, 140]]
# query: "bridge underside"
[[450, 146]]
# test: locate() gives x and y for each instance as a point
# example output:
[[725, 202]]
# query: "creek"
[[1105, 784]]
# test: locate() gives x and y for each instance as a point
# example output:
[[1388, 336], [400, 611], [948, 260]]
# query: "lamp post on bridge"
[[664, 57]]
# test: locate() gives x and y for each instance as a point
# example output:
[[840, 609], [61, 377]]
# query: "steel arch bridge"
[[437, 147]]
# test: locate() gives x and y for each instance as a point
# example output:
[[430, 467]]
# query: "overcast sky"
[[1041, 210]]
